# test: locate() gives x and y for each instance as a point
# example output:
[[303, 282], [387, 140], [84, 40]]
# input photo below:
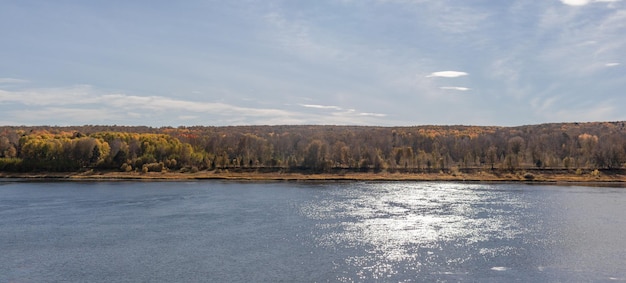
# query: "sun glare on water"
[[401, 223]]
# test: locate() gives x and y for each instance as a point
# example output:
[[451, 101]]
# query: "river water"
[[212, 231]]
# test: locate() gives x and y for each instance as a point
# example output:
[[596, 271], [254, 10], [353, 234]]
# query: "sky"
[[331, 62]]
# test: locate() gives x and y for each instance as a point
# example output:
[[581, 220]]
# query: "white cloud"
[[321, 106], [612, 64], [454, 88], [373, 114], [12, 81], [584, 2], [575, 2], [447, 74]]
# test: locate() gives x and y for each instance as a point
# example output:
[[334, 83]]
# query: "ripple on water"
[[405, 226]]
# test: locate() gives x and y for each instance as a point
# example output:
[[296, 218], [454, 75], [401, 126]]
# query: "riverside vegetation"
[[550, 152]]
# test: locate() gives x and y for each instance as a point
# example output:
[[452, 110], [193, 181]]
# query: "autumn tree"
[[316, 156]]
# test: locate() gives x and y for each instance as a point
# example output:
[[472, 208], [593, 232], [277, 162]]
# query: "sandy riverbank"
[[279, 176]]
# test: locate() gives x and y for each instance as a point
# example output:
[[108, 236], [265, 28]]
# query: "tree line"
[[569, 146]]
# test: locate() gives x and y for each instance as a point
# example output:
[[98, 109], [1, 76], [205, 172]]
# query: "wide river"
[[212, 231]]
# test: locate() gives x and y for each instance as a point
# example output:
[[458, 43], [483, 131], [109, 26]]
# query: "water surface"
[[294, 232]]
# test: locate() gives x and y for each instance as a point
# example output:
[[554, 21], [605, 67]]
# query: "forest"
[[314, 149]]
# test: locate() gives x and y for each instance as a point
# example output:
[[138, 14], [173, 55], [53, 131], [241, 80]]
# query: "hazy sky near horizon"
[[354, 62]]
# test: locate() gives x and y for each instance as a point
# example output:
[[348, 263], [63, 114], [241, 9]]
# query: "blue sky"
[[341, 62]]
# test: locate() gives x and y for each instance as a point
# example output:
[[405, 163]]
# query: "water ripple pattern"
[[211, 231], [407, 227]]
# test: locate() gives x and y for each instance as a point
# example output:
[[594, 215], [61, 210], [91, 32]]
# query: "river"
[[213, 231]]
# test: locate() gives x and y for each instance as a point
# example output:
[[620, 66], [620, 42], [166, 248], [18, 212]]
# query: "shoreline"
[[351, 177]]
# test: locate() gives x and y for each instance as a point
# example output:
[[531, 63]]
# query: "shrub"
[[154, 167], [171, 163], [126, 168], [529, 176]]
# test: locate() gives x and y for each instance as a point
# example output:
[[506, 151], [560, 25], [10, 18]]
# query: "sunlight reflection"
[[408, 222]]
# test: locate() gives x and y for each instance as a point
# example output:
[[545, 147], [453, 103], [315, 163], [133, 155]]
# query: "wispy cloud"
[[577, 43], [460, 20], [600, 112], [453, 19], [346, 62], [296, 37], [84, 104], [343, 112], [543, 105], [447, 74], [80, 94], [12, 81], [455, 88]]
